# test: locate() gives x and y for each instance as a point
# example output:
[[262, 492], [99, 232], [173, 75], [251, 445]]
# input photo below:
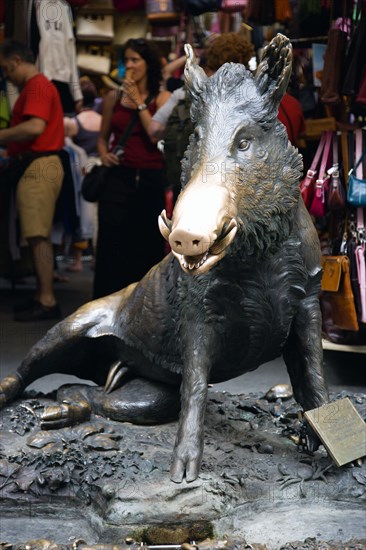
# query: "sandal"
[[38, 312]]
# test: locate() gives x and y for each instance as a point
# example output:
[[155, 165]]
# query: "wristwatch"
[[142, 107]]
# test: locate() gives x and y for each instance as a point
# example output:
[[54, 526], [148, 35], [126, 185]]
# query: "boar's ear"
[[194, 75], [274, 69]]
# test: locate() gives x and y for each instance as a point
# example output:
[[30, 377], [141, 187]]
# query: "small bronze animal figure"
[[239, 288]]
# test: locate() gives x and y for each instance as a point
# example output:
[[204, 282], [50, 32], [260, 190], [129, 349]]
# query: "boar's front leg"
[[303, 355], [188, 449]]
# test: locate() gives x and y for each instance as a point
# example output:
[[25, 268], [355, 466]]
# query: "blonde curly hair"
[[228, 47]]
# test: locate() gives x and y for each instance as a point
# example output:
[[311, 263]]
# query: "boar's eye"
[[243, 144]]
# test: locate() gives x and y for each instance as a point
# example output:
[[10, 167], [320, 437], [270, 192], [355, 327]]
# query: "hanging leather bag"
[[231, 6], [336, 284], [356, 193], [93, 60], [161, 10], [333, 63], [98, 27], [355, 60]]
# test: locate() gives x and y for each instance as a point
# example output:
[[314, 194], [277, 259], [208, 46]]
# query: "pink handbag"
[[233, 5], [318, 204]]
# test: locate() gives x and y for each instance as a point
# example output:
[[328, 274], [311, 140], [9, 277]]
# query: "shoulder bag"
[[94, 180]]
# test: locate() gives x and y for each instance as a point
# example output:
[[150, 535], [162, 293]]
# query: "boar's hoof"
[[65, 414], [186, 460], [308, 440], [10, 387]]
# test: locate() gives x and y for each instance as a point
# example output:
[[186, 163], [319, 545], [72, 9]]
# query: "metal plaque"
[[341, 430]]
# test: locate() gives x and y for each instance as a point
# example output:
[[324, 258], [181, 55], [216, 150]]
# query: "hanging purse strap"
[[361, 276], [334, 170], [323, 175], [345, 157], [311, 173], [360, 155], [358, 168], [335, 152], [126, 134], [325, 157], [314, 165]]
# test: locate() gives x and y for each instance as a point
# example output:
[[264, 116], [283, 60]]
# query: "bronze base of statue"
[[103, 481]]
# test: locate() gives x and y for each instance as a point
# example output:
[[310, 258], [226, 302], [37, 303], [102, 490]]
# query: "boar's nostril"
[[187, 243], [195, 243]]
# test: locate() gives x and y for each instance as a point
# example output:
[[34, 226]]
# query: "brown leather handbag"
[[333, 62], [337, 289]]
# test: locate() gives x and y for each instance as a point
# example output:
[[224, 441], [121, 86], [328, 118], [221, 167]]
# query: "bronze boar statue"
[[239, 288]]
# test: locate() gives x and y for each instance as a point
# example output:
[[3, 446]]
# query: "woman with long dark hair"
[[129, 242]]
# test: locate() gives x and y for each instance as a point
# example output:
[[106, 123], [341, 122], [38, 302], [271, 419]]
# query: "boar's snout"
[[203, 226], [189, 244]]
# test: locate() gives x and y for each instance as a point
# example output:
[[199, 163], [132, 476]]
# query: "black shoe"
[[29, 304], [39, 312]]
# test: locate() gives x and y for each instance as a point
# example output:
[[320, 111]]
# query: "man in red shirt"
[[35, 136]]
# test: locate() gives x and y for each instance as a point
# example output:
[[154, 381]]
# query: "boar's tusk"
[[225, 239], [165, 225], [116, 373]]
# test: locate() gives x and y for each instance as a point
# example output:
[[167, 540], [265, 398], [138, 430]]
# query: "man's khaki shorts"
[[37, 193]]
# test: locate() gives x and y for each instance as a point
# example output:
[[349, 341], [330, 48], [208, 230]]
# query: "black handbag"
[[93, 183], [94, 180]]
